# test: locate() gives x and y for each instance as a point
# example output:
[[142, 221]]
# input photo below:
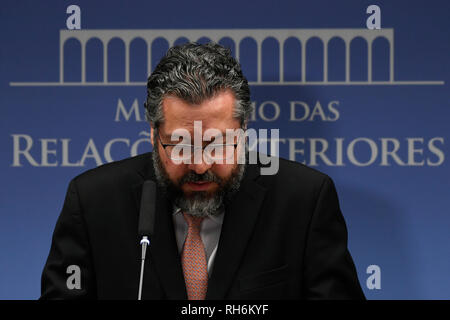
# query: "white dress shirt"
[[209, 232]]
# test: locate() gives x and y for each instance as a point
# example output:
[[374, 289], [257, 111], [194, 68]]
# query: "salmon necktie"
[[193, 260]]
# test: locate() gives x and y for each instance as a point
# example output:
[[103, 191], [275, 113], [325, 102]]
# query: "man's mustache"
[[208, 176]]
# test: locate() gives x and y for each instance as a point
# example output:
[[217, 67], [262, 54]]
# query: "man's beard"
[[198, 203]]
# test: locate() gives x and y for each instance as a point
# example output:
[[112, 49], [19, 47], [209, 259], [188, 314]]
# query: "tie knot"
[[193, 222]]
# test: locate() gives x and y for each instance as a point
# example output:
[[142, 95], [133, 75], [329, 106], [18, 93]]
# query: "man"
[[223, 230]]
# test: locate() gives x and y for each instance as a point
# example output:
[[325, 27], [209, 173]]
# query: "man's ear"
[[151, 136]]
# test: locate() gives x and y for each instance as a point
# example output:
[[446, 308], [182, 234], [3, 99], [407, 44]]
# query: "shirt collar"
[[216, 218]]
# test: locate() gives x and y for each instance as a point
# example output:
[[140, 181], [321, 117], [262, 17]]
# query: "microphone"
[[146, 223]]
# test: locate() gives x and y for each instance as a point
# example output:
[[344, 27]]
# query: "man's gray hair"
[[196, 72]]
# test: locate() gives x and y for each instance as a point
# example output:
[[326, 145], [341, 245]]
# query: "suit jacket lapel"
[[240, 217]]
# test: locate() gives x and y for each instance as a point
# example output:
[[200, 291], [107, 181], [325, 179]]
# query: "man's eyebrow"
[[168, 137]]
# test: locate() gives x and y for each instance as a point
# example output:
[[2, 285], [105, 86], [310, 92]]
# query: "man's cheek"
[[175, 174], [224, 171]]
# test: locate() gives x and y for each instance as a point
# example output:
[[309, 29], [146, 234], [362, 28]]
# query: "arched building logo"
[[236, 36]]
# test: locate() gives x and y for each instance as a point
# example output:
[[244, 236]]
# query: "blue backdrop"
[[368, 107]]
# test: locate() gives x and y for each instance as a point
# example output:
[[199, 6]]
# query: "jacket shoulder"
[[115, 173], [289, 170], [300, 170], [294, 178]]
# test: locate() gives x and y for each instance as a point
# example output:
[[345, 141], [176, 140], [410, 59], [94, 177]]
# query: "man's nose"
[[199, 166]]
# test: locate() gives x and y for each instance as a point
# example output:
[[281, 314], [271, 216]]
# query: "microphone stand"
[[144, 243]]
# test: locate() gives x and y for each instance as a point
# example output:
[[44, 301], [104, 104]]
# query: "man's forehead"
[[216, 112]]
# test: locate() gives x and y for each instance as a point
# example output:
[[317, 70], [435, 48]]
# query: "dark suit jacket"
[[283, 237]]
